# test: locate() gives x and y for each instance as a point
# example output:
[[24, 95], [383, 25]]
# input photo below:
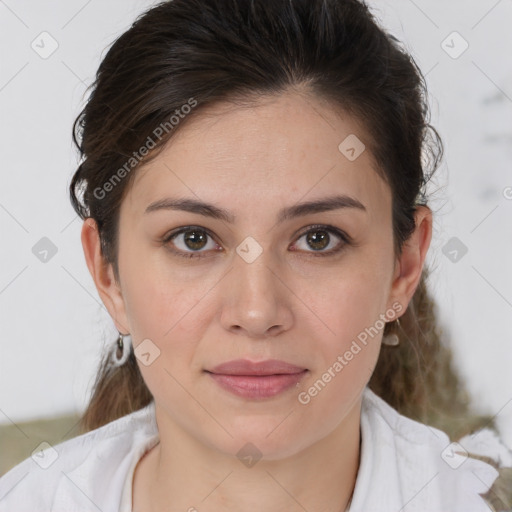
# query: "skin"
[[287, 304]]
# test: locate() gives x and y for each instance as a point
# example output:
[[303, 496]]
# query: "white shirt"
[[405, 466]]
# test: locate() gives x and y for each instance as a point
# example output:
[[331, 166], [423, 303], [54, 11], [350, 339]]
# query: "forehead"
[[275, 151]]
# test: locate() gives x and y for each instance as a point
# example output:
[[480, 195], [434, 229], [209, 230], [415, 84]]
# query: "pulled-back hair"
[[195, 53]]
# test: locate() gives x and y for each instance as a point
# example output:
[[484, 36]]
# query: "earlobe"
[[412, 259], [103, 275]]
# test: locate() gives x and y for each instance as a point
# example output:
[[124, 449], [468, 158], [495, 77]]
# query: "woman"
[[255, 222]]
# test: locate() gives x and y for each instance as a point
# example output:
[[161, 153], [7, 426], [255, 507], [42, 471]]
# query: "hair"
[[182, 53]]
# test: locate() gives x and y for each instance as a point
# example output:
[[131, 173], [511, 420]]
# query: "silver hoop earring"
[[391, 339], [121, 350]]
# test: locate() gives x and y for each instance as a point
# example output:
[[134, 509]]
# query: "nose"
[[256, 300]]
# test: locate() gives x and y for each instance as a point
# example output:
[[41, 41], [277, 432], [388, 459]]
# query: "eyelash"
[[346, 240]]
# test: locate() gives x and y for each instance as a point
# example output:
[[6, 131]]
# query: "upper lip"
[[246, 367]]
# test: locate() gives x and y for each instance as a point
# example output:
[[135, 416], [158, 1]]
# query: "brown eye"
[[190, 242], [195, 239], [322, 240], [318, 239]]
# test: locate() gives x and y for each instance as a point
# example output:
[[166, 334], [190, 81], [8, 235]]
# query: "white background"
[[53, 323]]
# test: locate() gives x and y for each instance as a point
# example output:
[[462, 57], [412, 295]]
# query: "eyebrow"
[[209, 210]]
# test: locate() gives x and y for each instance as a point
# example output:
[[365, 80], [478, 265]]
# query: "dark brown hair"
[[199, 52]]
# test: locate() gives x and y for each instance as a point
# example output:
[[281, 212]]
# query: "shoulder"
[[428, 469], [487, 446], [82, 470]]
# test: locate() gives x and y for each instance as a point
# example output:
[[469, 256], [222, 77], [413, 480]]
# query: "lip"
[[257, 380], [246, 367]]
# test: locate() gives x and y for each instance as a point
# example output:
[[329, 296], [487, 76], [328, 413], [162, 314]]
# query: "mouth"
[[257, 380]]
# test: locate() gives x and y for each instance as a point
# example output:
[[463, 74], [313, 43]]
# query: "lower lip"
[[257, 386]]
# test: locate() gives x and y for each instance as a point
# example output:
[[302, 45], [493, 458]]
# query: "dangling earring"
[[391, 339], [122, 349]]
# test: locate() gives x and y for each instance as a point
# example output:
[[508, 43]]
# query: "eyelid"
[[178, 231], [326, 227]]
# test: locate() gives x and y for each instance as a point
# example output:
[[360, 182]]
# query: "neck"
[[182, 474]]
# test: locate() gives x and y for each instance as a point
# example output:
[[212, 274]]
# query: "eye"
[[318, 238], [190, 241]]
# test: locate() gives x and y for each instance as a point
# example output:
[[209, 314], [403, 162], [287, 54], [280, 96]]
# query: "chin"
[[257, 439]]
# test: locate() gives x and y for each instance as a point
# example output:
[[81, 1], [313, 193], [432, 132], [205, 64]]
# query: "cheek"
[[349, 305], [346, 328], [156, 300], [173, 313], [160, 291], [346, 352]]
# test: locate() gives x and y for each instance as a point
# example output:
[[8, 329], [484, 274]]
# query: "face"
[[312, 288]]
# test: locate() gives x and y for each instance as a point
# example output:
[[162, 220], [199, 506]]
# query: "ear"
[[409, 265], [103, 275]]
